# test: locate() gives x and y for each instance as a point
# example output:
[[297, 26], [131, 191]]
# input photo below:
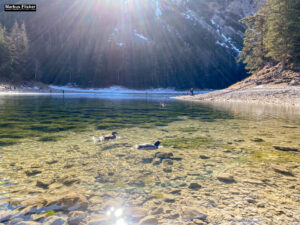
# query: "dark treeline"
[[273, 36], [15, 60], [69, 43]]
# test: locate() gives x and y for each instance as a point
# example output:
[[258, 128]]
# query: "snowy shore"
[[114, 91]]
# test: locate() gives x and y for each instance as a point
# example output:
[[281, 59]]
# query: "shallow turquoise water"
[[48, 139]]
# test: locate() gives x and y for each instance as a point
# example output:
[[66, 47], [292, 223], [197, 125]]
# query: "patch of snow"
[[30, 88], [259, 86], [235, 48], [222, 44], [117, 90], [212, 22], [228, 40], [140, 36], [158, 11], [187, 15], [113, 34], [225, 38]]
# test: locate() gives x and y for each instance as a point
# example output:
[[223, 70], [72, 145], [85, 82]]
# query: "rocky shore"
[[26, 88], [270, 86], [260, 95]]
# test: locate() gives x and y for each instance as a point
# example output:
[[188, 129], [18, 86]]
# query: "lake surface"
[[220, 163]]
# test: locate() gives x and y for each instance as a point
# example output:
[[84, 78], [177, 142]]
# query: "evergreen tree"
[[283, 36], [5, 59], [254, 51], [19, 48], [14, 40], [272, 35]]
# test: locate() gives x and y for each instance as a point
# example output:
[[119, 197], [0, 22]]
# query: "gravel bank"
[[271, 95]]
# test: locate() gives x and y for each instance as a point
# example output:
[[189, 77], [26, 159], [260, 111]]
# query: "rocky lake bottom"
[[214, 166]]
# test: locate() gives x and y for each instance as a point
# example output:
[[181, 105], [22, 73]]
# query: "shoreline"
[[43, 89], [280, 95], [272, 95]]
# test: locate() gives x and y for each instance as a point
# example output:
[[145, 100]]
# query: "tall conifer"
[[254, 52]]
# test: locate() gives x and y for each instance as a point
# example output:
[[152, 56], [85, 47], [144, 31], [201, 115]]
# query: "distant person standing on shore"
[[192, 92]]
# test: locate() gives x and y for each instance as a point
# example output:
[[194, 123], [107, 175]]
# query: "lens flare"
[[121, 222], [118, 212]]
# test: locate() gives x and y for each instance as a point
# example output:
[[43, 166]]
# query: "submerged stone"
[[164, 155], [52, 162], [76, 217], [32, 172], [156, 211], [257, 140], [67, 166], [282, 169], [191, 213], [34, 202], [149, 220], [54, 220], [167, 170], [172, 216], [175, 192], [147, 160], [71, 202], [44, 183], [204, 157], [156, 161], [226, 178], [195, 186], [69, 180], [286, 149], [5, 215], [169, 199], [168, 162]]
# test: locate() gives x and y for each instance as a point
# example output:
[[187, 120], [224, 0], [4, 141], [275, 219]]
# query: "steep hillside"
[[271, 75], [137, 43]]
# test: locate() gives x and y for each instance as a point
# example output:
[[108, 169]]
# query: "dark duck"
[[109, 137], [148, 146]]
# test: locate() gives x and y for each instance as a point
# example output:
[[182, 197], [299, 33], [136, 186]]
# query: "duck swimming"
[[148, 146], [109, 137]]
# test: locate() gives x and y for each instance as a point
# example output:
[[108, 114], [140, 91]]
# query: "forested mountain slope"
[[133, 43]]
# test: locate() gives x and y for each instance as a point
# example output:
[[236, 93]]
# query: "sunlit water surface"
[[46, 149]]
